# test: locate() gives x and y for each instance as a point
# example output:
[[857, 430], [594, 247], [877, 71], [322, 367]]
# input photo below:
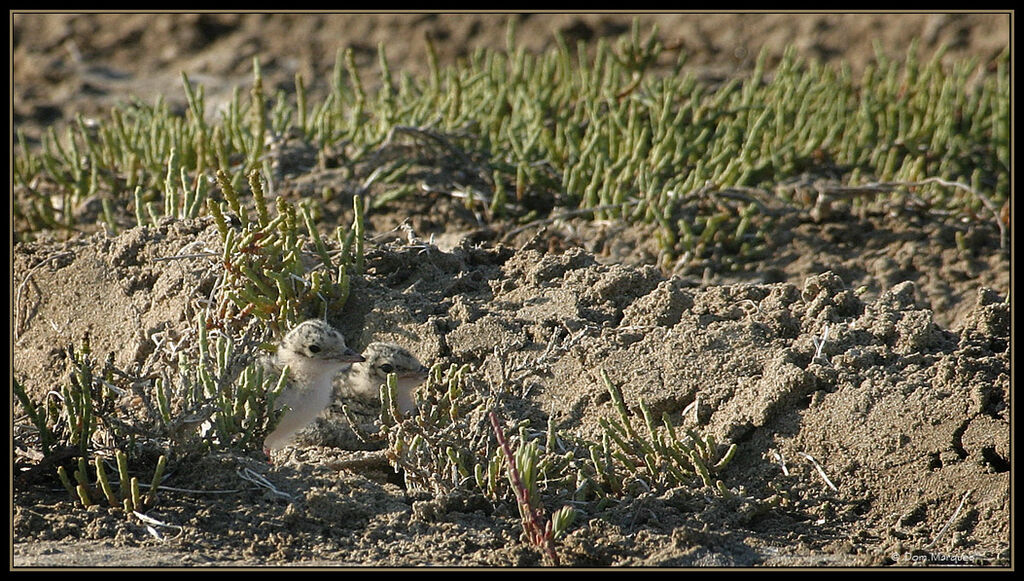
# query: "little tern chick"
[[364, 379], [314, 352]]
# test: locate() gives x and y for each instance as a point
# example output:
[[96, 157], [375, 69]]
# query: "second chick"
[[365, 378]]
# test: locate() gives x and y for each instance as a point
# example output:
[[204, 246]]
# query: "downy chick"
[[365, 378], [314, 352]]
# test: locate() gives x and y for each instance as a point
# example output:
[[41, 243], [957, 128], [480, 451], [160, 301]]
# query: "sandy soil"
[[890, 447]]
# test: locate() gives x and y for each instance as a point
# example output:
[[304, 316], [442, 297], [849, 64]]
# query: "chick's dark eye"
[[314, 348], [387, 368]]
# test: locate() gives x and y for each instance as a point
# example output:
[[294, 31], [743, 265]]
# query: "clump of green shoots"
[[213, 395], [449, 444], [270, 274], [71, 416], [127, 496], [454, 443], [234, 391], [39, 416], [433, 446], [659, 458], [79, 418]]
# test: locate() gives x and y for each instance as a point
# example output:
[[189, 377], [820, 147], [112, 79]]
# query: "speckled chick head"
[[316, 340], [365, 378], [314, 352]]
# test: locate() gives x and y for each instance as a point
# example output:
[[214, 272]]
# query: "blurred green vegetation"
[[608, 134]]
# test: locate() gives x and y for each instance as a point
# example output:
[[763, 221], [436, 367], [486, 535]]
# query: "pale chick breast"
[[366, 378], [314, 352]]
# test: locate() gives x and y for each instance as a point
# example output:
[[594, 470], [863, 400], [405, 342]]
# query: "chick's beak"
[[351, 356], [420, 372]]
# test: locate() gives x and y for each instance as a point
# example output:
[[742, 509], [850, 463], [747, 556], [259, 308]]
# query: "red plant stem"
[[531, 516]]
